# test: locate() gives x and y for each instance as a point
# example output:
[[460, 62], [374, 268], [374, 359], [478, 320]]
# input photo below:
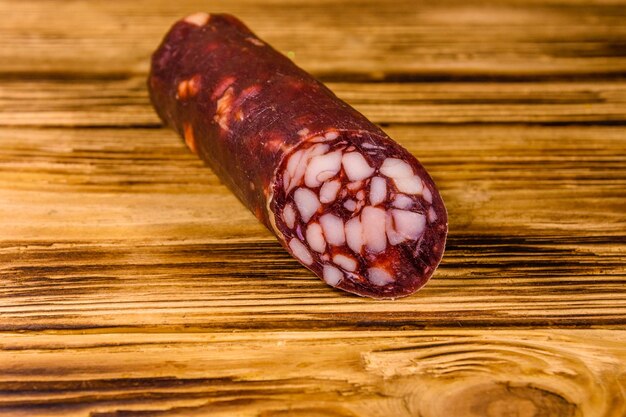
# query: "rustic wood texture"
[[135, 284]]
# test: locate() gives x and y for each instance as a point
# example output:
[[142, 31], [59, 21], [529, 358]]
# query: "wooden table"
[[134, 284]]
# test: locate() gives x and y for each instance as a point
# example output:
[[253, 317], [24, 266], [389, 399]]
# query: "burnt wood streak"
[[134, 284]]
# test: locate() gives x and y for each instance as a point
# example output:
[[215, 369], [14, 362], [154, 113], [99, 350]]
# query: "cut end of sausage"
[[373, 221]]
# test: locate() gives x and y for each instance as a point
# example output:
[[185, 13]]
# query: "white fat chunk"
[[354, 234], [356, 167], [378, 190], [296, 179], [307, 203], [328, 192], [428, 196], [409, 222], [402, 202], [379, 276], [371, 146], [346, 262], [315, 238], [321, 168], [407, 225], [289, 216], [354, 185], [396, 168], [432, 216], [294, 161], [402, 174], [331, 135], [300, 251], [332, 276], [318, 149], [393, 235], [198, 19], [409, 185], [333, 229], [373, 221], [297, 164], [350, 205]]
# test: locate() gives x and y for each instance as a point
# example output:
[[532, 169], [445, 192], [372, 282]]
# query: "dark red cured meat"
[[342, 197]]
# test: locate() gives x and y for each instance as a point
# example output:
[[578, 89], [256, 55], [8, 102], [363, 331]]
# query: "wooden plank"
[[135, 284], [367, 39], [505, 178], [429, 373], [126, 103], [123, 228], [182, 286]]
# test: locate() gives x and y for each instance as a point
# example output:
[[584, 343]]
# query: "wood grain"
[[402, 39], [124, 103], [135, 284], [428, 373]]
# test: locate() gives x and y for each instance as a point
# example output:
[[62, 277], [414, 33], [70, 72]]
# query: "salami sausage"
[[347, 201]]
